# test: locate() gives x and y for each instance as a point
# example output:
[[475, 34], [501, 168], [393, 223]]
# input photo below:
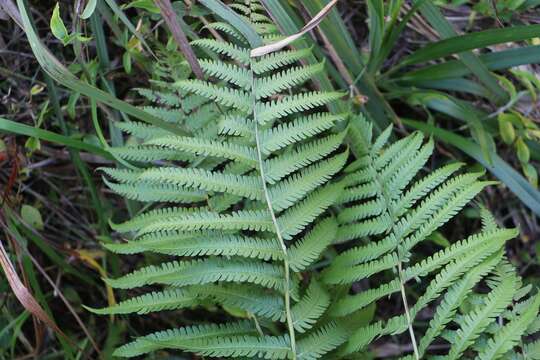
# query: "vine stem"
[[286, 267]]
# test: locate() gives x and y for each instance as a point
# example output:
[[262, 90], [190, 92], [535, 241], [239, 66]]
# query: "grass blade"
[[22, 129], [471, 41], [453, 69], [470, 60]]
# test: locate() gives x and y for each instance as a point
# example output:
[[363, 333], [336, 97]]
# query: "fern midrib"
[[286, 267], [389, 210]]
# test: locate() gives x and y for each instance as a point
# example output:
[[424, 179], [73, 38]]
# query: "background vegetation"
[[463, 71]]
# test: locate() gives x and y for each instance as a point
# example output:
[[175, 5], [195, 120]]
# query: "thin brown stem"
[[179, 36]]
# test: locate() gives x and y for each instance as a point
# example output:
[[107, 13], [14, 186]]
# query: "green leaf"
[[32, 217], [89, 9], [523, 152], [506, 128], [57, 25], [469, 59]]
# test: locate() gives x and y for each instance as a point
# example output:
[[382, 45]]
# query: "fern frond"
[[251, 298], [257, 220], [183, 336], [288, 192], [199, 179], [208, 243], [207, 147], [308, 249], [275, 83], [228, 29], [295, 219], [283, 165], [182, 273], [310, 308], [289, 133], [222, 95], [233, 51], [227, 72], [474, 323], [155, 301], [321, 342], [453, 298], [152, 193], [159, 97], [290, 104], [278, 60], [267, 347]]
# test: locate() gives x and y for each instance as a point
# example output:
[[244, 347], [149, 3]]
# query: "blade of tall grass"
[[498, 167], [494, 61], [22, 129], [469, 59], [480, 39], [460, 110], [76, 159]]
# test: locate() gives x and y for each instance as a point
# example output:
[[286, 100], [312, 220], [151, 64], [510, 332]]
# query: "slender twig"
[[179, 36]]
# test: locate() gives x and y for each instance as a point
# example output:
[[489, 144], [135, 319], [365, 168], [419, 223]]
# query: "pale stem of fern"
[[400, 270], [287, 295]]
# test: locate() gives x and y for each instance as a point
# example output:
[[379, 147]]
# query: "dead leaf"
[[24, 296], [278, 45]]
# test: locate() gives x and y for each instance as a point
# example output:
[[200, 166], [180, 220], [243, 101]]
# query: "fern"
[[251, 200]]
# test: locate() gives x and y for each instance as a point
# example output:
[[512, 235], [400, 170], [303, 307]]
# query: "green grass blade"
[[470, 60], [472, 41], [45, 135], [453, 69]]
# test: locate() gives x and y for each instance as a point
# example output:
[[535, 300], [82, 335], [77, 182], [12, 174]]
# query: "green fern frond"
[[279, 167], [182, 273], [289, 133], [279, 59], [198, 179], [207, 243], [222, 95], [266, 181], [276, 83], [233, 51], [308, 249], [321, 342], [207, 147], [155, 301], [267, 347], [227, 72], [183, 336], [291, 104], [310, 308]]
